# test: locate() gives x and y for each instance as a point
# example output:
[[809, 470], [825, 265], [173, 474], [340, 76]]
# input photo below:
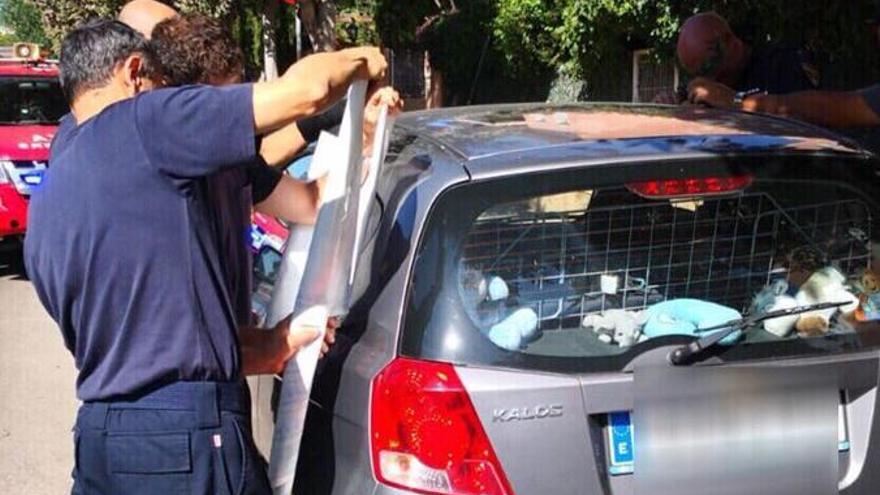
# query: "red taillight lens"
[[683, 188], [425, 433]]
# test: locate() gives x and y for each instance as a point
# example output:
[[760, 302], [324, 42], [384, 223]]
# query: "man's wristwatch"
[[740, 96]]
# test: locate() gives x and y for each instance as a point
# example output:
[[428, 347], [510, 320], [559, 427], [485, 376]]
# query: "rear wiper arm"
[[686, 354]]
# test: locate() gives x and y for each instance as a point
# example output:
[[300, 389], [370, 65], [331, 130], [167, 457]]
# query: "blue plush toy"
[[687, 317]]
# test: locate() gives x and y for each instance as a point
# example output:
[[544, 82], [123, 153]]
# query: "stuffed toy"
[[825, 285], [518, 328], [689, 317], [617, 325]]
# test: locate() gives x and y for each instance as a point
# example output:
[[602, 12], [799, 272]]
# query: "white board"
[[324, 288]]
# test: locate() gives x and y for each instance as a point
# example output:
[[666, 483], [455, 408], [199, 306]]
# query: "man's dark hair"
[[92, 52], [195, 49]]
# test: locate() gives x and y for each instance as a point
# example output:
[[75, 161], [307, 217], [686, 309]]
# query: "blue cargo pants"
[[185, 438]]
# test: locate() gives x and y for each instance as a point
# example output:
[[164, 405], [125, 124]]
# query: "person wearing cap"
[[724, 68]]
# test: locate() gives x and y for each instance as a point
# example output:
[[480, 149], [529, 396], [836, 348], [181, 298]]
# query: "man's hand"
[[709, 92], [312, 84], [376, 99], [376, 64], [266, 351]]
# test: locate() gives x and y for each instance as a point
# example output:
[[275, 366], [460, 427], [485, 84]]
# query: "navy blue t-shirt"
[[780, 68], [124, 241]]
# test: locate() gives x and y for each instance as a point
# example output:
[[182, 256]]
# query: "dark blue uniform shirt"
[[780, 69], [126, 238]]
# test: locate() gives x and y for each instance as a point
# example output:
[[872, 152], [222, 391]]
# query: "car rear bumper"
[[13, 212]]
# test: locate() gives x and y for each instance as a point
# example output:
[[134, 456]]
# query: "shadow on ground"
[[12, 265]]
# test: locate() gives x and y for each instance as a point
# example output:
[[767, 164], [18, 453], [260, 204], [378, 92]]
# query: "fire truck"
[[31, 106]]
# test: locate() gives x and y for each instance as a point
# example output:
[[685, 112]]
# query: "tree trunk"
[[268, 20], [319, 19]]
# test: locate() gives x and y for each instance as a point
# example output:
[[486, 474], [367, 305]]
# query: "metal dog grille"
[[721, 249]]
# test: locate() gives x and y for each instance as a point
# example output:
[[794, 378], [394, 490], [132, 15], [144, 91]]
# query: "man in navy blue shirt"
[[123, 255], [723, 66]]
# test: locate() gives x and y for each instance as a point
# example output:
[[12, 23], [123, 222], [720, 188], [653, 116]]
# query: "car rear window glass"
[[583, 270], [31, 101]]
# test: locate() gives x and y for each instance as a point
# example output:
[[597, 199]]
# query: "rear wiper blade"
[[686, 354]]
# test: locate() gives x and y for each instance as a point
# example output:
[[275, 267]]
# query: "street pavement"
[[37, 401]]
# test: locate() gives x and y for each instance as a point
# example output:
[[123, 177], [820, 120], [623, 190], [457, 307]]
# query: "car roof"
[[28, 68], [484, 133]]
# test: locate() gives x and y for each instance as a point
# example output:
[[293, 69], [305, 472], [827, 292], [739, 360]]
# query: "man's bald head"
[[143, 15], [707, 47]]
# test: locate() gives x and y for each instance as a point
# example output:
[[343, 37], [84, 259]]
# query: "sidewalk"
[[37, 402]]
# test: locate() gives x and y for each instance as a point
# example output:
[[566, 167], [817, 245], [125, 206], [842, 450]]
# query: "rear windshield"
[[31, 101], [583, 270]]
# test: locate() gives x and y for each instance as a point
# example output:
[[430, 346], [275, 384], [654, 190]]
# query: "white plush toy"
[[625, 327], [498, 289], [825, 285], [783, 325]]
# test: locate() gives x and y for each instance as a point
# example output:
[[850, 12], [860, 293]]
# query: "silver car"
[[606, 299]]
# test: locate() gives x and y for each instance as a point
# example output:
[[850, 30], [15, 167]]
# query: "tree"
[[318, 20], [24, 21], [580, 35]]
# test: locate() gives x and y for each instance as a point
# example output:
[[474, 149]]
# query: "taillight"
[[688, 188], [426, 436]]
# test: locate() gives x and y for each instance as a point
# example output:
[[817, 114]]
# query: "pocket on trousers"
[[232, 457], [149, 453]]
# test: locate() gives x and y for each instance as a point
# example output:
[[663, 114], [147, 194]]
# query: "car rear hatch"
[[558, 295]]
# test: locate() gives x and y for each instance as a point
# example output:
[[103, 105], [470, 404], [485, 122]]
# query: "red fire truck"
[[31, 105]]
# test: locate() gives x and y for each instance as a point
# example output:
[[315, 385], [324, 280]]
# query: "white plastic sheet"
[[324, 288], [317, 269]]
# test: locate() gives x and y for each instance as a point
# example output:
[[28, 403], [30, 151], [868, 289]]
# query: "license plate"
[[621, 440], [32, 178]]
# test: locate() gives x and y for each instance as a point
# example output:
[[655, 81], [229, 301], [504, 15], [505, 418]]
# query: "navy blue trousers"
[[186, 438]]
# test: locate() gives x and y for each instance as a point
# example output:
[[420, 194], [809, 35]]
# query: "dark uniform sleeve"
[[871, 96], [781, 69], [311, 127], [194, 131], [263, 178]]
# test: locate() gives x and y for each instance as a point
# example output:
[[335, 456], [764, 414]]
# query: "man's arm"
[[280, 147], [265, 351], [312, 84], [826, 108], [292, 200], [297, 201]]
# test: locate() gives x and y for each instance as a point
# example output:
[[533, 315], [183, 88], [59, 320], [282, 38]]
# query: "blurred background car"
[[31, 106]]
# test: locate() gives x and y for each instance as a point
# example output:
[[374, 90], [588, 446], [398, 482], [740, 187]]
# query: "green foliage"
[[398, 22], [214, 8], [355, 25], [59, 16], [582, 37], [526, 32], [24, 20]]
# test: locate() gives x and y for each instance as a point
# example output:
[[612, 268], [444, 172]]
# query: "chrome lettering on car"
[[526, 413]]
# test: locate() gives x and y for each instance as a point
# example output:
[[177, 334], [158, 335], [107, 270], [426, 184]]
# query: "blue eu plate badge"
[[621, 443]]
